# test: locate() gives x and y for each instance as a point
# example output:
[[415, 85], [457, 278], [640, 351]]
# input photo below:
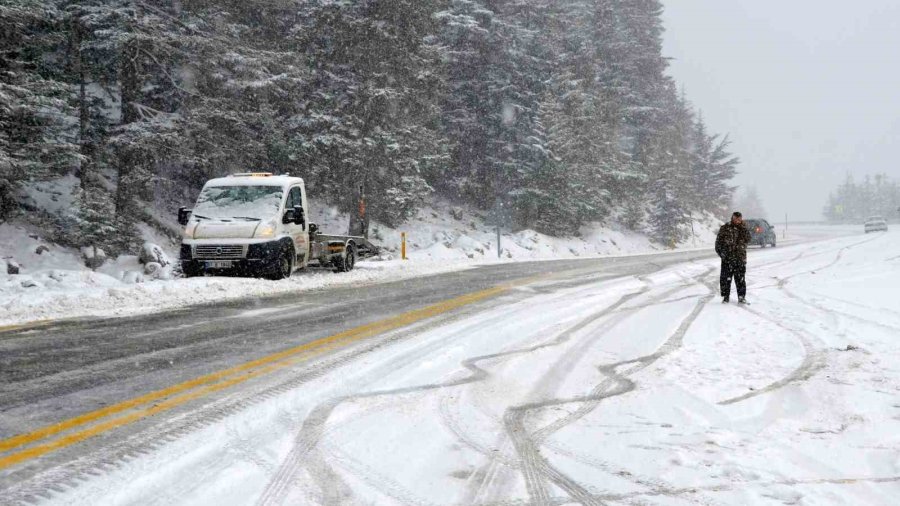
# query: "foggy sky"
[[807, 89]]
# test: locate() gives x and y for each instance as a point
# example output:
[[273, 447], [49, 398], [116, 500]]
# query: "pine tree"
[[559, 110], [543, 200], [852, 202], [495, 66], [97, 221], [34, 141]]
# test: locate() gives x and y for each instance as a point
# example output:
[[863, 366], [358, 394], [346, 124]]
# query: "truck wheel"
[[190, 271], [284, 266], [346, 262]]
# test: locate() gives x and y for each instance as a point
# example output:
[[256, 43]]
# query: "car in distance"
[[875, 224], [762, 233]]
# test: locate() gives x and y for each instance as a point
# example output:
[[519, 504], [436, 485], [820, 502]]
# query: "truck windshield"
[[239, 202]]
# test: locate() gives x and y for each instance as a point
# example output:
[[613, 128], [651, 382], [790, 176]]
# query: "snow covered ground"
[[628, 391]]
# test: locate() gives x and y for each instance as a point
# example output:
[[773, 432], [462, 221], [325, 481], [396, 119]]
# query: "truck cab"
[[255, 224]]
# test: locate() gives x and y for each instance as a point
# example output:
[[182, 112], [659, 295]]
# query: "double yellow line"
[[25, 326], [24, 447]]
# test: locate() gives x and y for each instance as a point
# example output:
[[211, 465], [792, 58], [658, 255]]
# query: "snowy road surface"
[[620, 381]]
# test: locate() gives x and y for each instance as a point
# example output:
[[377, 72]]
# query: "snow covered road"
[[590, 385]]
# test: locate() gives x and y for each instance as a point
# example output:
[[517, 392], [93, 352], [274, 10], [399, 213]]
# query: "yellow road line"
[[76, 437], [213, 382], [20, 326]]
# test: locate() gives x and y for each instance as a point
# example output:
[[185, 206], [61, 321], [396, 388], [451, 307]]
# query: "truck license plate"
[[219, 264]]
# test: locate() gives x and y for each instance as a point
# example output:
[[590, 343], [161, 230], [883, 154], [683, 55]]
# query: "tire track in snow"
[[813, 361], [551, 380], [840, 255], [145, 439], [809, 253], [857, 304], [814, 358], [485, 477], [39, 487], [535, 466], [825, 309], [305, 452], [310, 434]]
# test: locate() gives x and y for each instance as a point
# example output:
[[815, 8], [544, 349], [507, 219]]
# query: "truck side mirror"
[[184, 215], [299, 216], [288, 217]]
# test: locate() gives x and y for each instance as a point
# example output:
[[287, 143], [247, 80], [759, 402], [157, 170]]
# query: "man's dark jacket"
[[731, 243]]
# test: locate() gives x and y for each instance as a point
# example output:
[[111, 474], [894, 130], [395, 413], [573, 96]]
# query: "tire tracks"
[[186, 420], [549, 383], [813, 361], [310, 434], [814, 358], [820, 307], [535, 467]]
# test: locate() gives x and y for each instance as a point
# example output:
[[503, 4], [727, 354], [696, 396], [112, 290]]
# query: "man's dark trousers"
[[733, 267]]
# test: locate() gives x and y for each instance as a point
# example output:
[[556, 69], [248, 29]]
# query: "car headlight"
[[190, 229], [265, 230]]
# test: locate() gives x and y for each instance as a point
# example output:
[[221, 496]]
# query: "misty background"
[[809, 91]]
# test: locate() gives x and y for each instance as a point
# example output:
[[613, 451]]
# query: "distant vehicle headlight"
[[265, 230]]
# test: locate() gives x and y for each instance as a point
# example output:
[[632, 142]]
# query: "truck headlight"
[[265, 230], [189, 230]]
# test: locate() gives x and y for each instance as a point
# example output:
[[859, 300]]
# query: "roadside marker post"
[[499, 217], [403, 245]]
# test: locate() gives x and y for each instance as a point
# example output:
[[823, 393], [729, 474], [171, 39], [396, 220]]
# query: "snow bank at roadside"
[[82, 293], [54, 283], [442, 231]]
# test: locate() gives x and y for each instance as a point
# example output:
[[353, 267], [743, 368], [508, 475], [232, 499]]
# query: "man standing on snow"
[[731, 246]]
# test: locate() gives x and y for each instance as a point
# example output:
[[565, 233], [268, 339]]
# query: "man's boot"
[[725, 300], [743, 300]]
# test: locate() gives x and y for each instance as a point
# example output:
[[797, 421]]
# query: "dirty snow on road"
[[635, 390]]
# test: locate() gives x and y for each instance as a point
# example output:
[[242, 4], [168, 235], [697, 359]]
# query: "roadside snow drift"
[[54, 283]]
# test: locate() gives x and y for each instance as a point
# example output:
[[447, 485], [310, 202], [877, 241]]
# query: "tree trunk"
[[128, 80], [85, 171]]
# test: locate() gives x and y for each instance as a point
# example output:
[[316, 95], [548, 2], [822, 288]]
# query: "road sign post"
[[498, 217]]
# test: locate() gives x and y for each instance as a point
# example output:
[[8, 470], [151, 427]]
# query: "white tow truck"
[[255, 224]]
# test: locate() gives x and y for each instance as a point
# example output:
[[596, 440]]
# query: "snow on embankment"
[[440, 231], [53, 281]]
